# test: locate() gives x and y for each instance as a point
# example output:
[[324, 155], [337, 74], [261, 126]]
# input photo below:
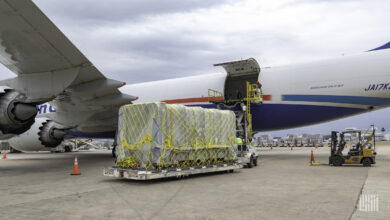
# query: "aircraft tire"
[[67, 149]]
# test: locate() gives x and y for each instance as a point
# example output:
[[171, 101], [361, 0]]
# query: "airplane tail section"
[[385, 46]]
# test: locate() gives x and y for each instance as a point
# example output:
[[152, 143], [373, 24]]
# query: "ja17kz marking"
[[377, 87]]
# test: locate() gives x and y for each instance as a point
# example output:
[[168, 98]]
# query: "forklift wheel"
[[337, 161], [250, 164], [366, 162]]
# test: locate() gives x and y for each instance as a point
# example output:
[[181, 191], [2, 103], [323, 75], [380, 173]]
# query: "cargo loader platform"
[[178, 172]]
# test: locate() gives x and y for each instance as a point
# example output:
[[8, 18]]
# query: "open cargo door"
[[238, 73]]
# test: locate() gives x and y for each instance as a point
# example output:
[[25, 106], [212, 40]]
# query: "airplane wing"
[[50, 67], [45, 61]]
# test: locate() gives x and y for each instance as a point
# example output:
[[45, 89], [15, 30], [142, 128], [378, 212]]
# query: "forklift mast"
[[342, 143], [337, 146], [333, 143], [359, 144]]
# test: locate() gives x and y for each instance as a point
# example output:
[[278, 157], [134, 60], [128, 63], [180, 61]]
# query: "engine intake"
[[16, 117], [50, 135]]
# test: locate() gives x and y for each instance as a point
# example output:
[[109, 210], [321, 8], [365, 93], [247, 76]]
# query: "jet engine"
[[43, 135], [16, 117]]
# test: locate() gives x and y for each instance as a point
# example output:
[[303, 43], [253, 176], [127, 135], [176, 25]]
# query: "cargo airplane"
[[75, 99]]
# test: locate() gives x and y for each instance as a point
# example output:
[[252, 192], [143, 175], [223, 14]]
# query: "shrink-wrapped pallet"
[[158, 135]]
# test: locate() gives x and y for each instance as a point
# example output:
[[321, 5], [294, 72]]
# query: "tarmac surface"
[[283, 186]]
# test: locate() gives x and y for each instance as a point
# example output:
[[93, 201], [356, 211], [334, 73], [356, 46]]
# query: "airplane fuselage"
[[294, 96]]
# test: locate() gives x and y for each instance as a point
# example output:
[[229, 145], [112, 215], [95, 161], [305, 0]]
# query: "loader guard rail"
[[214, 95], [254, 95]]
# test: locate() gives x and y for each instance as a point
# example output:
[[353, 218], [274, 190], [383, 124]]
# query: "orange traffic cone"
[[312, 157], [292, 147], [5, 155], [75, 167]]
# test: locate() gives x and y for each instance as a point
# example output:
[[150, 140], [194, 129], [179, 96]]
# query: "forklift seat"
[[353, 152]]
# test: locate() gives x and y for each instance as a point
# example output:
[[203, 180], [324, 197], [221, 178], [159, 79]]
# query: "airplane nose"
[[24, 111]]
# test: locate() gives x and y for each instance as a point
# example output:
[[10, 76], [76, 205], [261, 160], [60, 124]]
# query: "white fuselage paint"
[[345, 76]]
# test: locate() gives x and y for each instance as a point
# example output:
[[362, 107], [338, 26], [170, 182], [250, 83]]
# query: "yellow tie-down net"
[[159, 135]]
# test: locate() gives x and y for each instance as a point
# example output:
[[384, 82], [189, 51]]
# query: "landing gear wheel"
[[366, 162], [67, 149], [250, 164], [337, 161], [255, 162]]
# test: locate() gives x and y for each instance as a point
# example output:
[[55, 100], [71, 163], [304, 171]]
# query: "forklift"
[[361, 152]]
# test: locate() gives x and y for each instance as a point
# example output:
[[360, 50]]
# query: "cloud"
[[91, 11], [137, 41], [147, 40]]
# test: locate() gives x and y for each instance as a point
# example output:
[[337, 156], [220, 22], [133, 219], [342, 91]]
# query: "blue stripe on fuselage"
[[74, 134], [358, 100], [272, 117], [267, 117]]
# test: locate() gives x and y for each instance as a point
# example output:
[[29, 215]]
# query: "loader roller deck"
[[178, 172]]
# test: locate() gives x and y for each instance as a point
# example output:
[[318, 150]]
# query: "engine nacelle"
[[43, 135], [16, 117]]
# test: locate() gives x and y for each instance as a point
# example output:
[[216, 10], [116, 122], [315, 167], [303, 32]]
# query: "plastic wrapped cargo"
[[159, 135]]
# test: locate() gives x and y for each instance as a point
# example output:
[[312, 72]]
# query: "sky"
[[146, 40]]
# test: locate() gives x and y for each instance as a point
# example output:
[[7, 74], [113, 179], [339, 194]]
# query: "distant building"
[[292, 140], [386, 137], [265, 140]]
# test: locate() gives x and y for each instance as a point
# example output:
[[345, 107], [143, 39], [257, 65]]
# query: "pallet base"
[[128, 173]]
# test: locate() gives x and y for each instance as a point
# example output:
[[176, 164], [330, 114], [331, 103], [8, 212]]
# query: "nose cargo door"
[[238, 74]]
